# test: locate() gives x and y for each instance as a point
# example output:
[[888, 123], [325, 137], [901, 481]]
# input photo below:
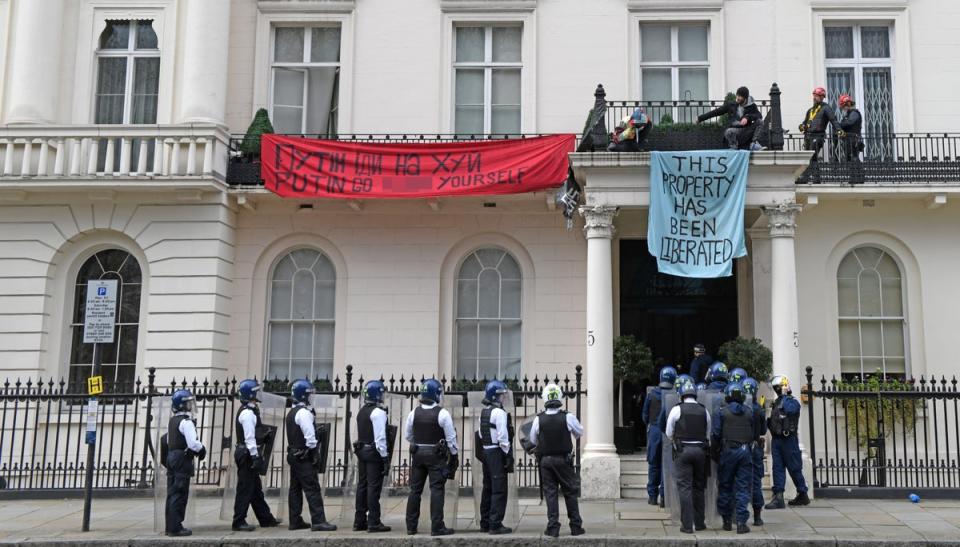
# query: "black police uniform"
[[428, 459], [493, 499], [179, 470], [249, 485], [371, 469], [555, 449], [690, 445], [303, 474]]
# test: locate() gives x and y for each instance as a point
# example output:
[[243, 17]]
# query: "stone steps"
[[633, 476]]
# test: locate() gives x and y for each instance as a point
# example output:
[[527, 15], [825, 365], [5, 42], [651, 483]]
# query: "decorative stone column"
[[34, 70], [203, 81], [784, 316], [600, 465]]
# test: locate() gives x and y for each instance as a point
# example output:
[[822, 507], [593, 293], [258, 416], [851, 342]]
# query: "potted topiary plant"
[[749, 354], [244, 168], [632, 362]]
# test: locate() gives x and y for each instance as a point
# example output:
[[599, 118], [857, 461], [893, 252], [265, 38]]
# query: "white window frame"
[[858, 62], [488, 65], [522, 15], [130, 54], [304, 65], [270, 17], [675, 64]]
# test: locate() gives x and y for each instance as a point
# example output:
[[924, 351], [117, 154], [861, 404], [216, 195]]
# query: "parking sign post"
[[98, 327]]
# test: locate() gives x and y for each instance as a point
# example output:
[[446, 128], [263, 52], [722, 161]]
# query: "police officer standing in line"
[[717, 376], [785, 448], [650, 414], [373, 460], [495, 439], [550, 432], [433, 448], [303, 455], [182, 446], [688, 428], [752, 388], [733, 437], [250, 463]]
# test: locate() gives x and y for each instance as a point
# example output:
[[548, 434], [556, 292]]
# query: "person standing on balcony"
[[182, 446], [850, 137], [652, 405], [250, 463], [701, 362], [783, 423], [303, 455], [814, 124], [744, 118], [373, 459]]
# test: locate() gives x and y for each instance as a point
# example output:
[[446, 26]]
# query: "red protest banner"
[[298, 167]]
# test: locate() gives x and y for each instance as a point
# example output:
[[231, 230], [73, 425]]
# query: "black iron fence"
[[876, 433], [42, 440]]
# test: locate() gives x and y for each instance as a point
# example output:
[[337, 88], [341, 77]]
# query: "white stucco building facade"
[[115, 124]]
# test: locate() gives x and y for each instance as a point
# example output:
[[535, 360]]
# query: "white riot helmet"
[[552, 396]]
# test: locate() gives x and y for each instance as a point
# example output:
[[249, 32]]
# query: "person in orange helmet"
[[814, 125]]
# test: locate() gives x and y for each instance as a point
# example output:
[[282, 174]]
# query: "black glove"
[[202, 453], [257, 463], [314, 456], [386, 465], [453, 462], [508, 463]]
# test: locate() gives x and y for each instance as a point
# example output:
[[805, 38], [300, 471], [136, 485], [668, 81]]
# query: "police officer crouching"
[[433, 454], [304, 456], [550, 432], [733, 436], [373, 459], [688, 426], [785, 446], [495, 442], [182, 446], [250, 463]]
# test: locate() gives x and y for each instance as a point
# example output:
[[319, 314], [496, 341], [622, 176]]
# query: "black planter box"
[[243, 172], [675, 139]]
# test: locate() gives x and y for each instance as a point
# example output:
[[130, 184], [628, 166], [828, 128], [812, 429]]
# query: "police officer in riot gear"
[[737, 375], [550, 432], [303, 455], [688, 428], [250, 463], [433, 447], [752, 388], [495, 443], [664, 411], [373, 459], [182, 446], [717, 376], [650, 415], [785, 447], [733, 436]]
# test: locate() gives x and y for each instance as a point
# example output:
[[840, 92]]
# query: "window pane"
[[870, 339], [655, 43], [490, 257], [323, 369], [656, 84], [280, 300], [111, 81], [467, 340], [279, 340], [302, 341], [839, 42], [467, 298], [505, 120], [469, 120], [116, 35], [301, 369], [146, 77], [285, 269], [325, 45], [129, 303], [693, 84], [112, 260], [471, 268], [850, 338], [322, 100], [470, 44], [840, 81], [878, 108], [469, 87], [509, 269], [849, 266], [869, 294], [510, 298], [850, 366], [895, 366], [288, 87], [847, 297], [893, 339], [506, 87], [692, 43], [303, 298], [128, 344], [892, 297], [80, 303], [466, 368], [278, 368], [506, 44], [489, 339], [305, 258], [80, 352], [489, 368], [288, 119], [288, 47], [146, 36], [510, 339], [324, 269], [323, 342], [489, 301], [325, 300], [875, 42]]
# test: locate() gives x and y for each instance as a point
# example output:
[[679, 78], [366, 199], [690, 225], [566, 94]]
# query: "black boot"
[[801, 499], [776, 502], [757, 521], [742, 528], [653, 501], [727, 525], [377, 528]]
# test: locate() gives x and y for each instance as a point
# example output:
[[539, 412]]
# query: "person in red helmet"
[[814, 126], [849, 140]]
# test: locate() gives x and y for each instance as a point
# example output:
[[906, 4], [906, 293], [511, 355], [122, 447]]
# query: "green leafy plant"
[[666, 119], [749, 354], [260, 125], [729, 98], [863, 412], [632, 362]]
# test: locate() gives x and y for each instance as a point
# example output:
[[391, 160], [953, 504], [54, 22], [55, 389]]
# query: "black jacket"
[[817, 118], [851, 122], [749, 111]]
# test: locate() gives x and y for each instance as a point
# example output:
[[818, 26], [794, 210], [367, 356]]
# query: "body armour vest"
[[241, 434], [656, 403], [175, 439], [780, 423], [692, 424], [737, 428], [295, 438], [426, 425], [554, 437], [486, 428], [365, 424]]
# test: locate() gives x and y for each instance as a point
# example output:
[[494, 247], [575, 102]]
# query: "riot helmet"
[[182, 401], [301, 391], [431, 391], [373, 392], [552, 396], [249, 391], [733, 393], [668, 375]]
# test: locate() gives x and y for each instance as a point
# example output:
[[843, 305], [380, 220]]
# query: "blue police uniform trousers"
[[654, 462], [735, 475], [757, 455], [786, 456]]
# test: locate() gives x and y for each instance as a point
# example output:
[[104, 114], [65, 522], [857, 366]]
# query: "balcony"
[[141, 156]]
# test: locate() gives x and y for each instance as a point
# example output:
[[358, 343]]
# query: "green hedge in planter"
[[260, 125], [861, 413], [751, 355]]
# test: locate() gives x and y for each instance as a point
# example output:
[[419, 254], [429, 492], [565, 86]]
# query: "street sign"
[[95, 385], [101, 311]]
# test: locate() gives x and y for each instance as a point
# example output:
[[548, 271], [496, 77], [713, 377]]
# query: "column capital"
[[599, 220], [782, 218]]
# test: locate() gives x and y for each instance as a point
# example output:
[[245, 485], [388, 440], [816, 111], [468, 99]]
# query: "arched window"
[[301, 325], [871, 308], [488, 315], [120, 357]]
